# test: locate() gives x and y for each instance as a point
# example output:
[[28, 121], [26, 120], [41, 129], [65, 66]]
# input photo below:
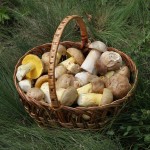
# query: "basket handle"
[[56, 40]]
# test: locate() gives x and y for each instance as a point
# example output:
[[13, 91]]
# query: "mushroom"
[[96, 86], [73, 63], [108, 61], [45, 57], [32, 67], [119, 85], [45, 88], [109, 74], [25, 84], [67, 96], [124, 70], [41, 80], [89, 63], [84, 77], [59, 71], [94, 99], [36, 94], [65, 81]]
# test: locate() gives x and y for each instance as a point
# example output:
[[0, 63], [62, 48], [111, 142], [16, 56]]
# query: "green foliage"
[[123, 24]]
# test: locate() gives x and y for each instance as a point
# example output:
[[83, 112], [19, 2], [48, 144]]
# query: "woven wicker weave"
[[71, 117]]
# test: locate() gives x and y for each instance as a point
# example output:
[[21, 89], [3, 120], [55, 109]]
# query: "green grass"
[[121, 24]]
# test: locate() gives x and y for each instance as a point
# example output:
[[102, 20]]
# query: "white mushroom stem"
[[83, 77], [89, 62], [23, 70], [25, 85], [45, 89]]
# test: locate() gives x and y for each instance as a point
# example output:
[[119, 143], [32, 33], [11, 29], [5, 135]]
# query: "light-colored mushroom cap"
[[36, 94], [76, 54], [98, 45], [62, 49], [69, 96], [65, 81], [59, 71]]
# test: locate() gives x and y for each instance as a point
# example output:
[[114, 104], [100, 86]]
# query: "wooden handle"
[[53, 52]]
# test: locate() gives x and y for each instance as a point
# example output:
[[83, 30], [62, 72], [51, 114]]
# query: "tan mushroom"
[[67, 96], [124, 70], [108, 61], [65, 81], [35, 93], [84, 77], [73, 63], [119, 85], [96, 86], [89, 63], [94, 99], [45, 57], [59, 71]]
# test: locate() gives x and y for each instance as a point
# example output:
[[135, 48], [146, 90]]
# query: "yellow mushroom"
[[32, 67], [94, 99], [41, 80]]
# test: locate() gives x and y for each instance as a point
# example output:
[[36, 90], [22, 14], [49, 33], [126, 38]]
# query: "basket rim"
[[43, 104]]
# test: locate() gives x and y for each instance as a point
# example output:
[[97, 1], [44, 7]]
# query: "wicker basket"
[[71, 117]]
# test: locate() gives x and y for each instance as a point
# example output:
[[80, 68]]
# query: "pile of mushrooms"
[[93, 80]]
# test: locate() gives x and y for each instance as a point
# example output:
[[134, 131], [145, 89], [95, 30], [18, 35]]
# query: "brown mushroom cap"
[[97, 85], [119, 85], [76, 54], [61, 49], [109, 59], [65, 81], [36, 94], [124, 70], [69, 96]]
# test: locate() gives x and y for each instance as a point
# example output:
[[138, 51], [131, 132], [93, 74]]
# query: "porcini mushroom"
[[96, 86], [124, 70], [119, 85], [32, 67], [36, 94], [67, 96], [108, 61], [45, 57], [59, 71], [89, 63], [65, 81], [94, 99], [84, 77], [25, 84], [73, 63], [41, 80], [45, 88]]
